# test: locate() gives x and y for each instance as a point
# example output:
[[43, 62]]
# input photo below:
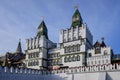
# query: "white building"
[[76, 58], [76, 48]]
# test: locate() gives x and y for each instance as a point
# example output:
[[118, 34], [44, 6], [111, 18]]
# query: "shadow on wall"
[[108, 77]]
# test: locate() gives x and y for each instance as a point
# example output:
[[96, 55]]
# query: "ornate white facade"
[[76, 58], [76, 48]]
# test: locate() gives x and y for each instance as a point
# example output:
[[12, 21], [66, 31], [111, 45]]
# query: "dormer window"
[[105, 52], [90, 55], [97, 50]]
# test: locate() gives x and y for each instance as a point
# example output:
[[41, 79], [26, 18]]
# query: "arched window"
[[106, 61], [28, 63], [37, 63], [37, 54], [68, 49], [91, 62], [97, 50], [105, 52], [73, 58], [78, 47], [73, 48], [69, 59], [90, 55], [65, 59], [78, 58]]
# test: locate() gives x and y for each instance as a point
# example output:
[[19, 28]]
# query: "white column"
[[67, 33], [27, 44], [36, 43], [71, 33], [61, 36], [77, 32], [31, 43]]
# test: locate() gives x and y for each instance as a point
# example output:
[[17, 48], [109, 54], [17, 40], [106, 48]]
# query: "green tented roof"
[[43, 31]]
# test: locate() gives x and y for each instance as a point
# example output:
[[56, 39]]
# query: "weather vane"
[[19, 40], [103, 38], [76, 6], [42, 18]]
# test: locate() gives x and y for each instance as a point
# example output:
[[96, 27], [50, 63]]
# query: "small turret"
[[19, 49]]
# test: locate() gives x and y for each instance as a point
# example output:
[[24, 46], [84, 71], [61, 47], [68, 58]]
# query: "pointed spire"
[[76, 6], [42, 30], [103, 43], [19, 49], [76, 18]]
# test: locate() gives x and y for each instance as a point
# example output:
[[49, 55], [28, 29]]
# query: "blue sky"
[[19, 19]]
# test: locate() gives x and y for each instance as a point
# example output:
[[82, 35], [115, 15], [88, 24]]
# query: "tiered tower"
[[75, 41], [37, 48]]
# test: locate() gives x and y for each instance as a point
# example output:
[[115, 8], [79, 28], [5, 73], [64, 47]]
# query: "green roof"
[[42, 30], [78, 21]]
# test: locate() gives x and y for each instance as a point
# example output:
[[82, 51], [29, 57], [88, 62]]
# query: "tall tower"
[[37, 48], [75, 41]]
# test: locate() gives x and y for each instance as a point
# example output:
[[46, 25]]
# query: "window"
[[73, 48], [69, 59], [97, 50], [90, 55], [106, 61], [73, 58], [64, 40], [28, 56], [74, 38], [79, 37], [33, 55], [37, 62], [37, 54], [103, 61], [78, 58], [78, 47], [28, 63], [68, 49], [64, 49], [69, 39], [105, 52], [65, 59], [95, 62], [91, 62], [99, 61]]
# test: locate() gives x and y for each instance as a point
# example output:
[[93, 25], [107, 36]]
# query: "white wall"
[[110, 72]]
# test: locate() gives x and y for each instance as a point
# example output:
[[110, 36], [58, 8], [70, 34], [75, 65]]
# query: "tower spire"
[[76, 18], [42, 30], [19, 49], [76, 6]]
